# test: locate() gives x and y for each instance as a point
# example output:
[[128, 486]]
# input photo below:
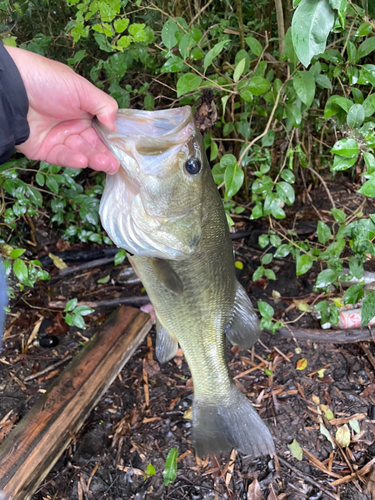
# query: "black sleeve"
[[14, 105]]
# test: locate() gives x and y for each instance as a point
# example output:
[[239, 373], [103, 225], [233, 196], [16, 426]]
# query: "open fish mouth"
[[150, 207]]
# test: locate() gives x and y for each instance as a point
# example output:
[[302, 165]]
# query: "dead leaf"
[[315, 399], [301, 364], [254, 492], [343, 436], [57, 261], [151, 367]]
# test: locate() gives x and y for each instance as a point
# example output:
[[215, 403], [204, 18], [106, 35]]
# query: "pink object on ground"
[[149, 309]]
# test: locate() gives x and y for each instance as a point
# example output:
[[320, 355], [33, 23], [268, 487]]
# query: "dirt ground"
[[128, 431]]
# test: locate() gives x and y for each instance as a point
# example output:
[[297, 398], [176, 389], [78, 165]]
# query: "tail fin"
[[219, 427]]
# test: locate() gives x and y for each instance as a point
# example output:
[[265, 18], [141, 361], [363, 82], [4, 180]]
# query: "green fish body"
[[178, 234]]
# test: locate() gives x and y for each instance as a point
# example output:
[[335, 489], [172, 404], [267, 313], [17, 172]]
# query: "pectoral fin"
[[243, 326], [167, 275], [166, 345]]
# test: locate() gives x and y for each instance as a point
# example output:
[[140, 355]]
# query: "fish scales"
[[164, 208]]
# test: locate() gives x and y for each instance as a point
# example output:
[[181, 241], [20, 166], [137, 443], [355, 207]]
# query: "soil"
[[126, 432]]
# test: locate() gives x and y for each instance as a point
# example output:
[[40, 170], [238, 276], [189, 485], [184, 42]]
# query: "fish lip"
[[186, 119]]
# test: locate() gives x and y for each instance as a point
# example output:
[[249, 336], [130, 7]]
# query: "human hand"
[[61, 107]]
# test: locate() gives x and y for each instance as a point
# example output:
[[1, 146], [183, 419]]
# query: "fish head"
[[152, 206]]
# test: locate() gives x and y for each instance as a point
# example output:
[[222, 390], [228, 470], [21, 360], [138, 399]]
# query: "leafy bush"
[[293, 85]]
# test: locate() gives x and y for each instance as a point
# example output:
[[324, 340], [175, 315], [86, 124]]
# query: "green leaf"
[[269, 274], [346, 147], [325, 278], [150, 470], [255, 46], [323, 81], [324, 232], [304, 85], [304, 263], [266, 311], [20, 270], [368, 187], [296, 450], [78, 321], [170, 469], [259, 85], [288, 176], [326, 433], [353, 294], [211, 54], [120, 257], [263, 240], [120, 25], [71, 305], [105, 279], [286, 192], [368, 309], [355, 426], [333, 105], [83, 310], [369, 105], [172, 65], [311, 25], [338, 215], [17, 252], [366, 48], [342, 163], [233, 178], [356, 115], [370, 162], [168, 34], [239, 70], [283, 251], [187, 83], [268, 139], [39, 179], [356, 268], [267, 258]]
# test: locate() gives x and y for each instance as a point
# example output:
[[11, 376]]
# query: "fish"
[[164, 209]]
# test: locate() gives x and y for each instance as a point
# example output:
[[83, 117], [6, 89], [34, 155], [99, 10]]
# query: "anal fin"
[[166, 345], [243, 326]]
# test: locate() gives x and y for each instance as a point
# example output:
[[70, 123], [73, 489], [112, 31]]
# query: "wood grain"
[[36, 443]]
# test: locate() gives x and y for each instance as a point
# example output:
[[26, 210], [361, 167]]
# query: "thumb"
[[98, 103]]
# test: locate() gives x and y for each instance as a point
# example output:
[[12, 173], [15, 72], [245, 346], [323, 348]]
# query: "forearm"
[[14, 106]]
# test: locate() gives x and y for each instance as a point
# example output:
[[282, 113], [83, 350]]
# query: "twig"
[[309, 196], [314, 482], [280, 25], [200, 12], [256, 139], [131, 301], [324, 184], [316, 335], [49, 368]]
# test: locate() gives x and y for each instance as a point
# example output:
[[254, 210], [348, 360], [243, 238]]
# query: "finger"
[[92, 138], [98, 103], [65, 157], [97, 160]]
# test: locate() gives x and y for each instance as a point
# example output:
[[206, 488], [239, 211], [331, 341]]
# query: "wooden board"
[[36, 443]]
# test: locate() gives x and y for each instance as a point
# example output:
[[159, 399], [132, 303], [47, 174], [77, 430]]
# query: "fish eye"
[[193, 165]]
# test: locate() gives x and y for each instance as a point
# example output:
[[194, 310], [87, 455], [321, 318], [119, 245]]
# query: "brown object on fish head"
[[164, 208]]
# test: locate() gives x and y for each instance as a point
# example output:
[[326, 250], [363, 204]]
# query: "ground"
[[129, 430]]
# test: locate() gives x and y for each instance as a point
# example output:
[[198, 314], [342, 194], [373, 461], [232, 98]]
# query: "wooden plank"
[[36, 443]]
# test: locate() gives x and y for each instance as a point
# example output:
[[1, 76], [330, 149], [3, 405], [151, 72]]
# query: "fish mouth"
[[152, 132]]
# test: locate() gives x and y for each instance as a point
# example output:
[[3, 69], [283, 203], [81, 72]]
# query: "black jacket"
[[14, 105], [14, 130]]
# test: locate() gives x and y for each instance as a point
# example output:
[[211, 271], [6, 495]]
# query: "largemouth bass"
[[163, 207]]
